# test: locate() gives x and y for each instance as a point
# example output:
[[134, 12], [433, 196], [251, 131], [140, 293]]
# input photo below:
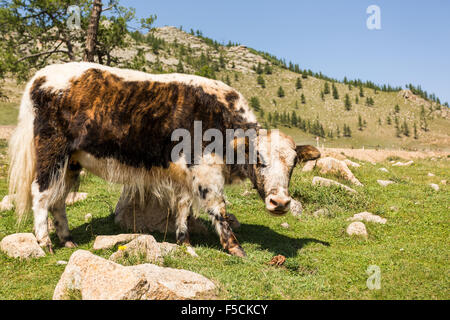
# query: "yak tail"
[[22, 154]]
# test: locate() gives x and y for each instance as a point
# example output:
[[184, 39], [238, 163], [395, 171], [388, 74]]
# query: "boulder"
[[368, 217], [328, 182], [21, 245], [296, 208], [153, 217], [357, 229], [144, 246], [330, 165], [385, 183], [90, 277], [108, 242]]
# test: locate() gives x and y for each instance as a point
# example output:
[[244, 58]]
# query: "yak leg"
[[183, 213]]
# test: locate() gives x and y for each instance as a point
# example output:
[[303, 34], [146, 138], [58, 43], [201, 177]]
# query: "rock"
[[88, 218], [247, 193], [444, 182], [393, 208], [167, 248], [75, 197], [309, 166], [385, 183], [328, 182], [153, 217], [368, 217], [285, 225], [107, 242], [191, 251], [233, 221], [434, 186], [21, 245], [144, 246], [351, 163], [357, 229], [7, 203], [431, 174], [403, 164], [94, 278], [324, 212], [384, 170], [296, 208], [61, 262], [330, 165]]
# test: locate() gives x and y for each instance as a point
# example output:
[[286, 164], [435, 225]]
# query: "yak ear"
[[307, 153]]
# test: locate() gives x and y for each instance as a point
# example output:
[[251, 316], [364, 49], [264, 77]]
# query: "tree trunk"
[[91, 39]]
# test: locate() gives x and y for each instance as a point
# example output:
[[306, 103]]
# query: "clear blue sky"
[[413, 45]]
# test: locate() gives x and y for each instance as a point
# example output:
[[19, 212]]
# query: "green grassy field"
[[323, 262]]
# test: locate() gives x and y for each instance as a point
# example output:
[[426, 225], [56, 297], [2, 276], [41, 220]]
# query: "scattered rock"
[[393, 208], [431, 174], [368, 217], [191, 251], [403, 164], [7, 203], [233, 221], [75, 197], [350, 163], [285, 225], [246, 193], [144, 246], [88, 218], [277, 260], [385, 183], [324, 212], [94, 278], [444, 182], [166, 248], [330, 165], [21, 245], [328, 182], [384, 170], [107, 242], [357, 229], [434, 186], [296, 208], [61, 262]]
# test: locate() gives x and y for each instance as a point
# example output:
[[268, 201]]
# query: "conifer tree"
[[298, 84], [397, 108], [405, 128], [255, 104], [261, 81], [303, 99], [326, 88], [347, 103], [335, 92], [416, 136], [361, 92], [280, 92], [360, 123]]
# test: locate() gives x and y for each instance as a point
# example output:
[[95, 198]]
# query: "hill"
[[301, 103]]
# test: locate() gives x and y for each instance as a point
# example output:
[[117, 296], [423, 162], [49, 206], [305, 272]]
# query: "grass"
[[322, 261]]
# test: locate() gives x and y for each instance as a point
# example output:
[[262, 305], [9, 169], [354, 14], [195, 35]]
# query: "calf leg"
[[183, 213]]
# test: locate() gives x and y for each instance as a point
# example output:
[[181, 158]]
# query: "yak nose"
[[278, 204]]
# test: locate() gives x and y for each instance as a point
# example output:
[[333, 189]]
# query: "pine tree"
[[280, 92], [259, 69], [227, 80], [356, 100], [335, 92], [267, 68], [261, 81], [322, 96], [361, 92], [338, 132], [180, 68], [416, 136], [298, 84], [379, 122], [348, 104], [326, 89], [303, 99], [397, 108], [388, 120], [405, 129], [254, 103], [360, 123], [294, 120]]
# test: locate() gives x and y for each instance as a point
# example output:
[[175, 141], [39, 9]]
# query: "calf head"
[[277, 156]]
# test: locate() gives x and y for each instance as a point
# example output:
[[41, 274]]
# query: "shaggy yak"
[[118, 124]]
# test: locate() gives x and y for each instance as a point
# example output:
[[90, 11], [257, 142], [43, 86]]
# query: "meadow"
[[322, 261]]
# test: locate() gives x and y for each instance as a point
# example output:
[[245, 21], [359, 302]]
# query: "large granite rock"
[[21, 245]]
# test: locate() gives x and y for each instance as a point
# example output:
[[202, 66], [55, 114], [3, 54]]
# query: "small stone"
[[7, 203], [357, 229], [328, 182], [324, 212], [393, 208], [61, 262], [144, 246], [191, 251], [74, 197], [368, 217], [285, 225], [167, 248], [385, 183], [296, 208], [107, 242], [350, 163], [403, 164], [444, 182], [384, 170], [431, 174], [88, 218], [21, 245], [434, 186], [329, 165]]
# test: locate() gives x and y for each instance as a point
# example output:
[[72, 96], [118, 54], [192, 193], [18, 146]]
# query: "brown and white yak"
[[117, 124]]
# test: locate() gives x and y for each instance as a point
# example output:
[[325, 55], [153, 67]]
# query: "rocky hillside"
[[302, 103]]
